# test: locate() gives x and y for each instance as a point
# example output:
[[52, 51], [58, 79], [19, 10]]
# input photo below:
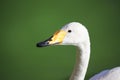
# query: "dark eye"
[[69, 31]]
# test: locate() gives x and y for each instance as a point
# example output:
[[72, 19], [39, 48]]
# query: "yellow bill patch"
[[58, 37]]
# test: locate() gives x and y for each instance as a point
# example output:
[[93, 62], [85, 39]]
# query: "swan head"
[[73, 33]]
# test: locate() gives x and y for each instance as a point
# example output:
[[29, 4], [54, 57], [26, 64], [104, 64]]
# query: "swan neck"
[[82, 60]]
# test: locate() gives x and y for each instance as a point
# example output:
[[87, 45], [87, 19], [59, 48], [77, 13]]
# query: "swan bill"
[[44, 43], [56, 39]]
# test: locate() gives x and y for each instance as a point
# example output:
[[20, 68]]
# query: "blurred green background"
[[26, 22]]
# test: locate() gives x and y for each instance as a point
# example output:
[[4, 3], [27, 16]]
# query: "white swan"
[[76, 34]]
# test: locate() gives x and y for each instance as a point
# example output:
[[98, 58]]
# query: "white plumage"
[[112, 74], [76, 34]]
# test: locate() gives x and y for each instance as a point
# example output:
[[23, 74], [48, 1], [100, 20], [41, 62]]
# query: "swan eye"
[[69, 31]]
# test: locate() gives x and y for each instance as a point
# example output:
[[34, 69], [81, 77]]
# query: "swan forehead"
[[74, 26]]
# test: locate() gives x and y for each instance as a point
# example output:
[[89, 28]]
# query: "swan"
[[76, 34]]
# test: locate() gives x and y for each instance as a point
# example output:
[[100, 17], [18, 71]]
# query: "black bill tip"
[[42, 44]]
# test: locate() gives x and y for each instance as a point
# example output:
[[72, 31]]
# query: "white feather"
[[113, 74]]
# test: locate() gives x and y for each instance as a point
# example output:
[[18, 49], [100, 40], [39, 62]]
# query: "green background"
[[26, 22]]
